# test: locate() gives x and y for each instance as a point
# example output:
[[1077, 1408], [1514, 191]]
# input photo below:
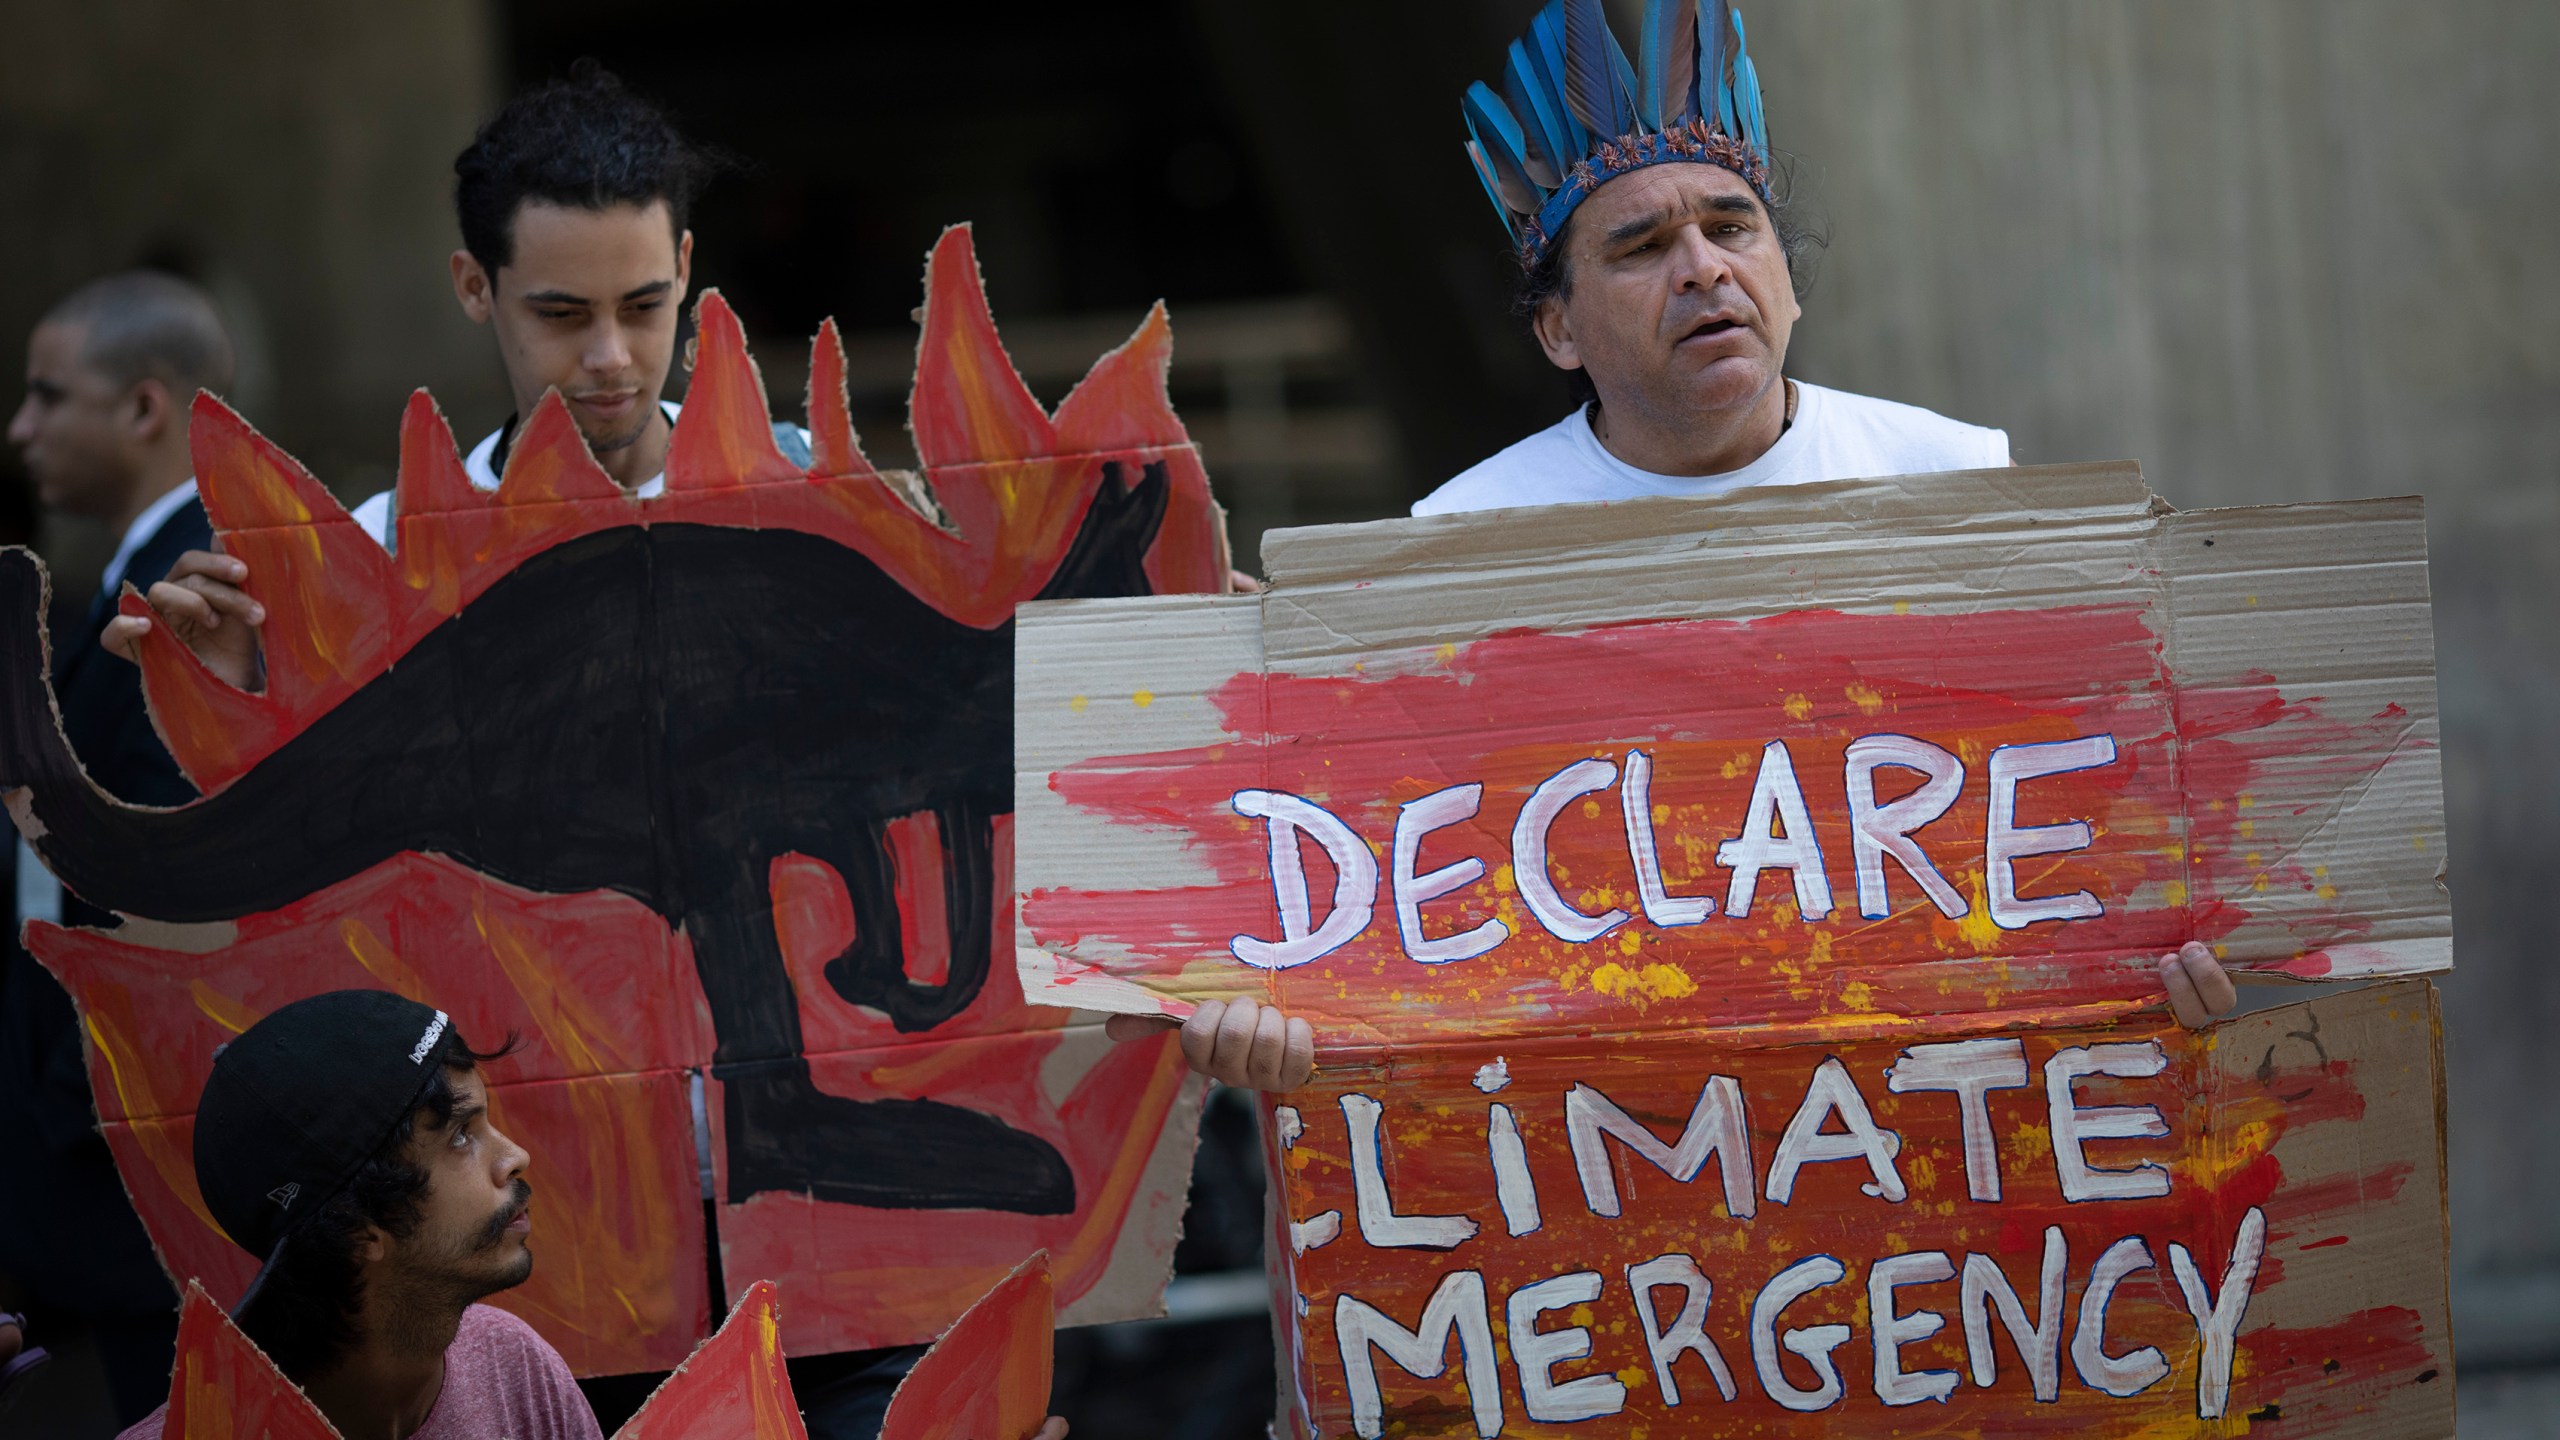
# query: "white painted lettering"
[[1529, 852], [1511, 1182], [1717, 1126], [1687, 1331], [1418, 818], [1380, 1225], [1775, 796], [1876, 831], [2217, 1317], [2119, 1375], [2073, 1125], [1355, 881], [1538, 1352], [2039, 1344], [1813, 1344], [1893, 1329], [1833, 1092], [1971, 1069], [2005, 844], [1635, 800], [1456, 1307]]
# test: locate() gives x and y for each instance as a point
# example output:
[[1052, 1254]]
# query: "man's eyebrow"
[[463, 1115], [1644, 225], [654, 287], [555, 297]]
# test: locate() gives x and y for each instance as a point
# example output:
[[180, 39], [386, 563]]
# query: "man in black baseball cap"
[[345, 1140]]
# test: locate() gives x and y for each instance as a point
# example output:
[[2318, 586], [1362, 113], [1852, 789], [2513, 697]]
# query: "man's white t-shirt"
[[1836, 436], [481, 465]]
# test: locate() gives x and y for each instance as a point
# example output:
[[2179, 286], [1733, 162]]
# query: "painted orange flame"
[[225, 1386], [987, 1378], [1011, 481], [733, 1387]]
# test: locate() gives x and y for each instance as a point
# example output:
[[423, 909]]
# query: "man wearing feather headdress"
[[1657, 261], [1657, 269]]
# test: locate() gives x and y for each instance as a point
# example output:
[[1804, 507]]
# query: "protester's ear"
[[1555, 334], [475, 287], [684, 265], [151, 409]]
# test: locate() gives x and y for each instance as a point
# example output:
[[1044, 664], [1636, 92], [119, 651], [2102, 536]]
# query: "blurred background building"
[[2277, 251]]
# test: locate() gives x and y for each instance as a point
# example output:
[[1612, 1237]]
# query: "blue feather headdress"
[[1572, 115]]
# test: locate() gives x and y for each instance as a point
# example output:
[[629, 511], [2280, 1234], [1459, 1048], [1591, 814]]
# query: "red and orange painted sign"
[[1732, 936], [703, 797]]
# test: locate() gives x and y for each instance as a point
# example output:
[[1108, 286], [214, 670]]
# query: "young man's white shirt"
[[481, 465], [1835, 436]]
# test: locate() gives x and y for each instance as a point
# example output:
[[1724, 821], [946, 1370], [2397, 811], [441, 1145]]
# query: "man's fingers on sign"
[[2199, 990], [1054, 1428], [1250, 1045], [1234, 1042], [202, 604]]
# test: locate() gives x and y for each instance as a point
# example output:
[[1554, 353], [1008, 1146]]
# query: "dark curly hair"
[[1550, 277], [589, 141], [305, 1315]]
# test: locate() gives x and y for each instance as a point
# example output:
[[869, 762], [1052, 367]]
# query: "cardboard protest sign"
[[2085, 1229], [706, 789], [1816, 849]]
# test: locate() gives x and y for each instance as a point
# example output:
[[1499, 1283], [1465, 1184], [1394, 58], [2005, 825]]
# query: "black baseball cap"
[[298, 1103]]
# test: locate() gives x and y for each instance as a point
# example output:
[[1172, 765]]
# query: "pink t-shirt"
[[501, 1382]]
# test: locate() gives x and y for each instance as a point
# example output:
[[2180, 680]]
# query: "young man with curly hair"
[[346, 1140]]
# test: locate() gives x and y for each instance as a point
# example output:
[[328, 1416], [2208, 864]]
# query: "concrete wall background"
[[2276, 251], [295, 156]]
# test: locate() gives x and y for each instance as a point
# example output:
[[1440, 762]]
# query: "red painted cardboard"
[[987, 1378], [641, 842], [1586, 833]]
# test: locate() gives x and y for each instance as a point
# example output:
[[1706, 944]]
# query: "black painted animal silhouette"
[[663, 708]]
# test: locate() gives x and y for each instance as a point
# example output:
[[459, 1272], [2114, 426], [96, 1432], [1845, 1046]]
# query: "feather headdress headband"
[[1573, 116]]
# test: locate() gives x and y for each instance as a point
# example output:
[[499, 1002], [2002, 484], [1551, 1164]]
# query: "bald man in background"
[[111, 372]]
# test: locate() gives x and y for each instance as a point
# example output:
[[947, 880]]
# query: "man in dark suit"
[[111, 372]]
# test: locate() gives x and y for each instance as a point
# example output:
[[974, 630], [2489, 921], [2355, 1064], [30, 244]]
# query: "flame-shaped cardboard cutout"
[[987, 1378], [733, 1387], [713, 788], [223, 1385]]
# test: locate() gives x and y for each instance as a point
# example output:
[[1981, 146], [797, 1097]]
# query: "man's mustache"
[[496, 1229]]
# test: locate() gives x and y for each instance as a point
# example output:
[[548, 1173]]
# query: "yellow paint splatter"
[[1864, 696], [1901, 607], [1977, 928], [2174, 893], [1144, 698], [1860, 996], [1650, 982], [1077, 703], [1797, 707]]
